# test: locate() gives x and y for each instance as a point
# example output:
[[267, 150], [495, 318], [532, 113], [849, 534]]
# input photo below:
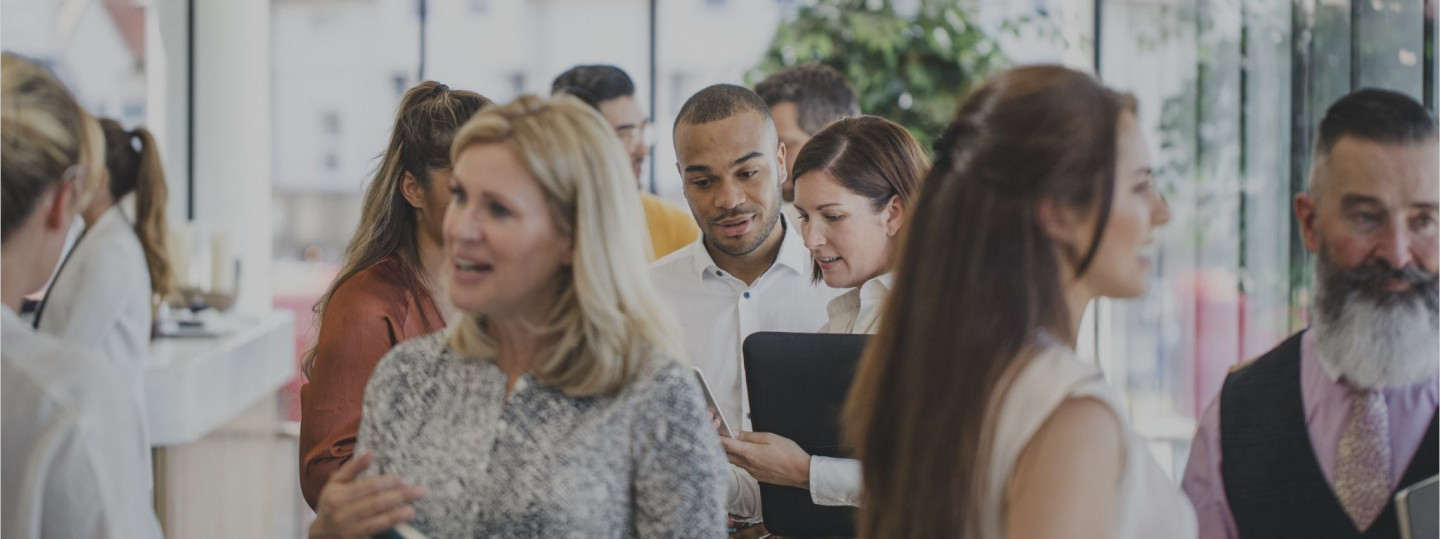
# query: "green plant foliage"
[[911, 70]]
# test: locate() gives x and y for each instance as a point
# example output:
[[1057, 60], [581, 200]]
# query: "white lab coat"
[[101, 297], [73, 458]]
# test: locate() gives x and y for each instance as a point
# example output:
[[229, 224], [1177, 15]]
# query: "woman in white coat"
[[107, 289], [853, 182], [73, 453]]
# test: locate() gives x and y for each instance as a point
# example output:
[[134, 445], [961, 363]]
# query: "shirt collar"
[[1309, 354], [113, 216], [793, 253], [127, 206], [874, 291], [881, 284], [700, 260]]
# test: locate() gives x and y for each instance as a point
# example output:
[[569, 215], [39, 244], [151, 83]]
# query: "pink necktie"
[[1362, 474]]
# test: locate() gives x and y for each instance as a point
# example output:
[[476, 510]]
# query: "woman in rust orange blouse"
[[386, 291]]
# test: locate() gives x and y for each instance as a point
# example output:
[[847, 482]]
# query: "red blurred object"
[[300, 300]]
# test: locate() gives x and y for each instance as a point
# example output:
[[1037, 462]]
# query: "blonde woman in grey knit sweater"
[[557, 405]]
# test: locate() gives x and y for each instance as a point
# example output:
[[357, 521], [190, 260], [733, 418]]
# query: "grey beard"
[[1371, 337]]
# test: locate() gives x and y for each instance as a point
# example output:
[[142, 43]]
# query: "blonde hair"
[[427, 118], [44, 140], [609, 320], [93, 150]]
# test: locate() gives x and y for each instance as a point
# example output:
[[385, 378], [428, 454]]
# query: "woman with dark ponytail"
[[133, 162], [387, 288], [107, 289]]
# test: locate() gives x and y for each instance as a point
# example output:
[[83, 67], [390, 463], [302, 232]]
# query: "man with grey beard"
[[1314, 438]]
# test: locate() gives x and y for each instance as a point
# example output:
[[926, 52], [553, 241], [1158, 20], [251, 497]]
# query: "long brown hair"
[[140, 172], [978, 279], [870, 156], [428, 117]]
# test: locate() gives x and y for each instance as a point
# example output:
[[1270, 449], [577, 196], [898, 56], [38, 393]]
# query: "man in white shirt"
[[750, 270]]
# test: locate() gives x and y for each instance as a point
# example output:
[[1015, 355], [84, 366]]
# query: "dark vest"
[[1273, 480]]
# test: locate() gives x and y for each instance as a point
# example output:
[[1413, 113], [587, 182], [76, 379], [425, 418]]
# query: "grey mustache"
[[1367, 280]]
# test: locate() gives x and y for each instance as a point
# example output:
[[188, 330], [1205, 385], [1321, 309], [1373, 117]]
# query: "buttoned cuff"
[[834, 481]]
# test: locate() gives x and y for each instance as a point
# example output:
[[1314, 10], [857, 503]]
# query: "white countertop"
[[195, 384]]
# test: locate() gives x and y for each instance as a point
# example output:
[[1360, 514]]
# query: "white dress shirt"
[[717, 311], [836, 481], [75, 463]]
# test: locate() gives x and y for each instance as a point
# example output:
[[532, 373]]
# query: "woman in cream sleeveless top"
[[970, 414]]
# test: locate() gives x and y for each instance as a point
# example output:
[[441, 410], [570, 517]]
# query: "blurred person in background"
[[804, 99], [75, 461], [556, 405], [108, 289], [390, 288], [609, 90], [971, 415], [855, 180], [1315, 437]]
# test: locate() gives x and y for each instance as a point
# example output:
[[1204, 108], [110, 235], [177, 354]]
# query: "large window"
[[96, 48], [1229, 93]]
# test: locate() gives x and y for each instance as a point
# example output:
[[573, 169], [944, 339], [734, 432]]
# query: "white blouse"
[[75, 463], [857, 311], [836, 481]]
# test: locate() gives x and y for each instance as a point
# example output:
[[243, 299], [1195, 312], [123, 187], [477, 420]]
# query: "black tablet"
[[797, 384]]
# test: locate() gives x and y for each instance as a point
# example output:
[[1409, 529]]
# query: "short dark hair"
[[1375, 115], [718, 102], [820, 93], [594, 84]]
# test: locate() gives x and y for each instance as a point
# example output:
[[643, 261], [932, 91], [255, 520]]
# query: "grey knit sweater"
[[643, 463]]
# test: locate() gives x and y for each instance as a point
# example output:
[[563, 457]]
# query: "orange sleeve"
[[356, 330]]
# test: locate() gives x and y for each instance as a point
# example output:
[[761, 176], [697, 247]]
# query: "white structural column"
[[237, 480], [232, 135]]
